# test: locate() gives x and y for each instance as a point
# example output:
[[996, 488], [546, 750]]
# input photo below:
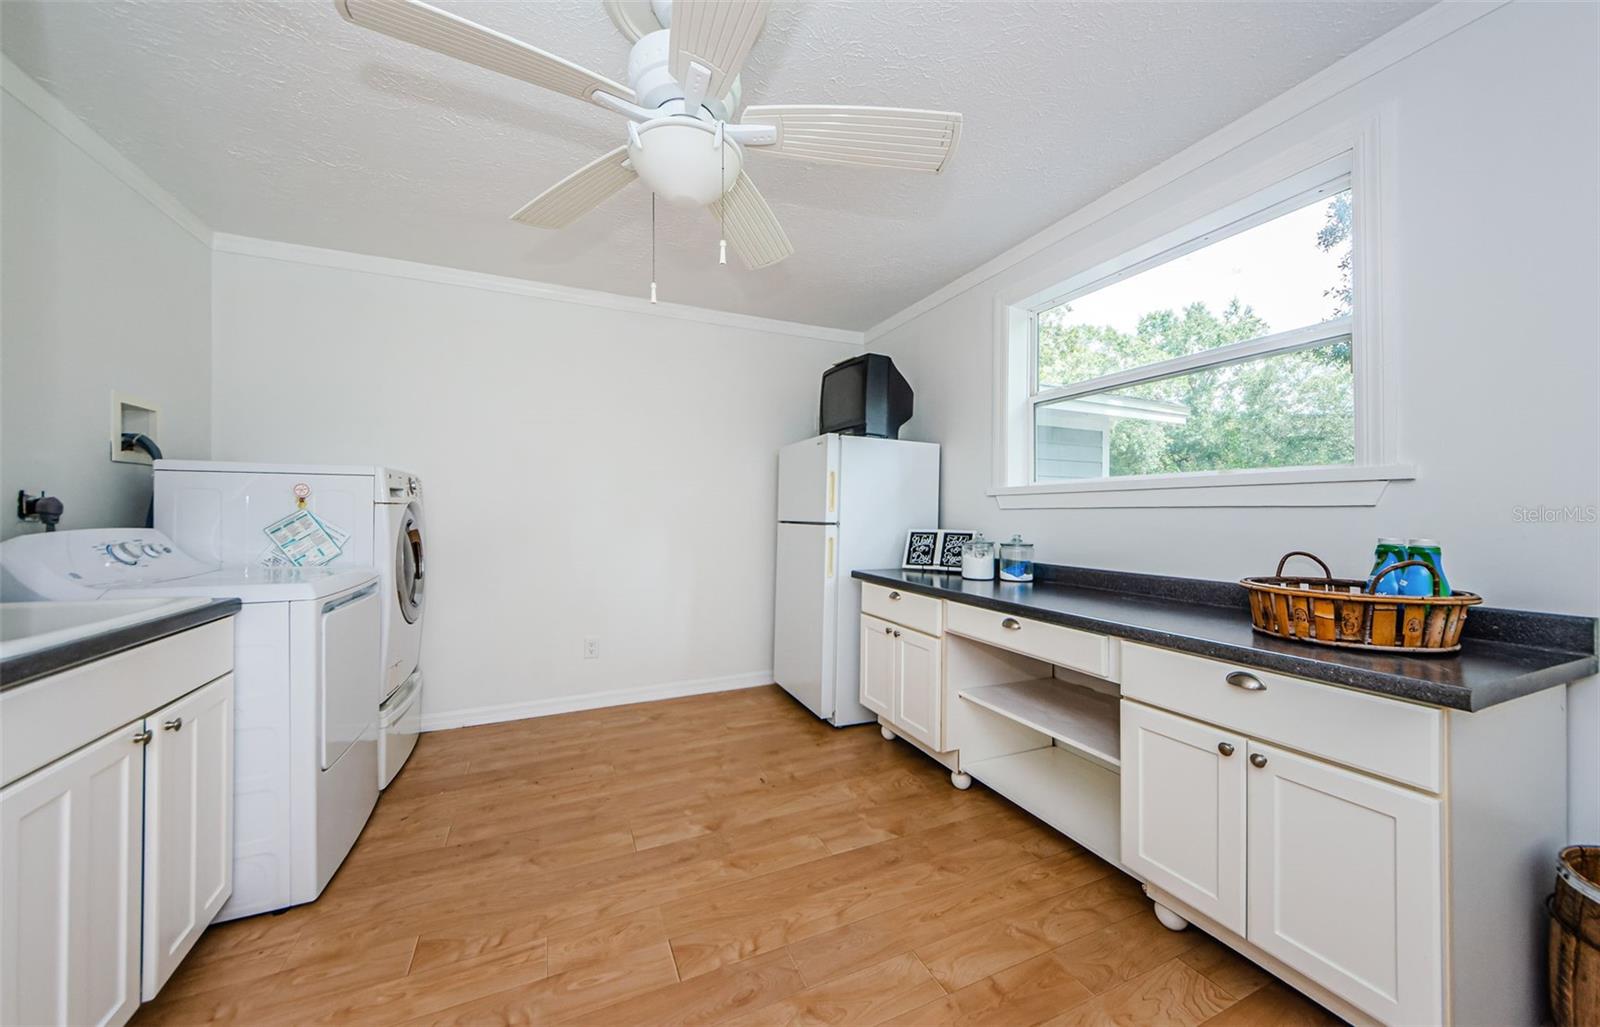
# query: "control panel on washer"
[[127, 556]]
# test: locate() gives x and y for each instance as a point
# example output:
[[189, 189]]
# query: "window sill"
[[1294, 486]]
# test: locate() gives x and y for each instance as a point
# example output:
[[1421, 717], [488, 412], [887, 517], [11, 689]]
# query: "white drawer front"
[[908, 609], [1064, 647], [1392, 739]]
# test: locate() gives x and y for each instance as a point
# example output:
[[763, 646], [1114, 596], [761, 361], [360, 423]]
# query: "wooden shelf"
[[1079, 798], [1078, 718]]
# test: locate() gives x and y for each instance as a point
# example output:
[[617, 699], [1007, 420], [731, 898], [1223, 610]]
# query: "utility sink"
[[29, 627]]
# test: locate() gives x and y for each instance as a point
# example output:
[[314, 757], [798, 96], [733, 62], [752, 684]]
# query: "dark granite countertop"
[[1504, 653], [19, 670]]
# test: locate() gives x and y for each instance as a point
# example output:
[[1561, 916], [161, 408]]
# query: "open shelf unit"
[[1078, 718], [1079, 798]]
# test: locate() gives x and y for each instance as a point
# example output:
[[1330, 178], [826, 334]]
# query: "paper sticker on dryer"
[[302, 539]]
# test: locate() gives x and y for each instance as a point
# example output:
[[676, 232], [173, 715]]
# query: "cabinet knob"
[[897, 634], [894, 596], [888, 631], [1226, 748], [1248, 682], [1257, 760], [142, 737], [175, 724], [1011, 624]]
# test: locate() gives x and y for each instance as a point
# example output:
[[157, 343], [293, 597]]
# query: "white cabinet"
[[116, 843], [1345, 883], [70, 863], [1331, 871], [902, 679], [877, 666], [188, 810], [1183, 810], [919, 686]]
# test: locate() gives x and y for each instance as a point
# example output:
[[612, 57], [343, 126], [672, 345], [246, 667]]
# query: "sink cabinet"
[[116, 854], [69, 890], [188, 825]]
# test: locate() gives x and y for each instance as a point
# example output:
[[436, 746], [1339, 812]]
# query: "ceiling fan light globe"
[[679, 160]]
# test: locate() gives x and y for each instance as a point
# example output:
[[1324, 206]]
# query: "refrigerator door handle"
[[833, 491]]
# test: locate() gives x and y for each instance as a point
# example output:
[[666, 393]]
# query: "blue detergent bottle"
[[1427, 550], [1389, 552], [1414, 581]]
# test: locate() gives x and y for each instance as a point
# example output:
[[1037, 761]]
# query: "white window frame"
[[1344, 157]]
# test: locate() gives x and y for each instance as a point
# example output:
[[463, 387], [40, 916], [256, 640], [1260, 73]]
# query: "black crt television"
[[864, 395]]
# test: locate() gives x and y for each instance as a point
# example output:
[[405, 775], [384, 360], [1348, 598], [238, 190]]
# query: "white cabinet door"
[[188, 825], [1183, 810], [69, 887], [919, 687], [1345, 883], [877, 666]]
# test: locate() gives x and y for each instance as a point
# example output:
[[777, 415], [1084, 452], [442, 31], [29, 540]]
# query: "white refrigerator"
[[845, 502]]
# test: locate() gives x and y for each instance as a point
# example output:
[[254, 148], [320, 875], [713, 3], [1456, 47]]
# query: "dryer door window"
[[408, 564]]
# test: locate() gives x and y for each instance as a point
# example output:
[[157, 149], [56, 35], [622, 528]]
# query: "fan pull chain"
[[652, 247]]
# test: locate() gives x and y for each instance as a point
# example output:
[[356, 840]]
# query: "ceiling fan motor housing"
[[654, 87]]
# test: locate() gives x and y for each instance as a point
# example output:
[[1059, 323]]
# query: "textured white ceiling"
[[282, 121]]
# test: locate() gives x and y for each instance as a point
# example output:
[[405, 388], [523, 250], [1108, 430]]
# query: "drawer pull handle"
[[1248, 682], [142, 737], [894, 597], [1011, 624], [175, 724], [1226, 748], [1257, 760]]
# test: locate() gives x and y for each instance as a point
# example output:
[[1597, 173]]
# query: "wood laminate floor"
[[718, 859]]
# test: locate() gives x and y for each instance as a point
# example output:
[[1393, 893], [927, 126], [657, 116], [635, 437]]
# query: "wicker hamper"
[[1575, 938]]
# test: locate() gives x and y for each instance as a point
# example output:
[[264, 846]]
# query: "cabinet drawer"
[[1064, 647], [907, 609], [1392, 739]]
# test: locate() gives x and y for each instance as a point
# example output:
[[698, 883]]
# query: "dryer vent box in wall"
[[132, 416]]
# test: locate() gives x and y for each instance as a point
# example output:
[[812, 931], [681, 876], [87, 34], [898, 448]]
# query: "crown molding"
[[54, 113], [316, 256], [1427, 28], [28, 92]]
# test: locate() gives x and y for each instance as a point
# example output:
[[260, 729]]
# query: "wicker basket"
[[1575, 937], [1341, 612]]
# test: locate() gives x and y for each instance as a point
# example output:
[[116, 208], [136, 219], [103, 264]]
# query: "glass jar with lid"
[[1016, 560], [977, 559]]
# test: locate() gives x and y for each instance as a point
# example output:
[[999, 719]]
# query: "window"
[[1228, 352]]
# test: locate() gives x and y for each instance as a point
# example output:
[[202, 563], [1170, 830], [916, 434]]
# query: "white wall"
[[1491, 284], [100, 290], [588, 471]]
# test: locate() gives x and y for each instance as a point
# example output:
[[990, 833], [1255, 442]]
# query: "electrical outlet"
[[591, 648]]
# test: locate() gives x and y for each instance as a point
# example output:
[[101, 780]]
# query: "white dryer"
[[219, 510], [305, 683]]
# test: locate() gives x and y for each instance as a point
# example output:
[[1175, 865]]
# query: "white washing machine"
[[218, 510], [305, 684]]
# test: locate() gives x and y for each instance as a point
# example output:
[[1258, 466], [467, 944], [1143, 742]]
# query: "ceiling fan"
[[687, 133]]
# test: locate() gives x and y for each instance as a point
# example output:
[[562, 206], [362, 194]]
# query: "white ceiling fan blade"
[[753, 230], [442, 32], [578, 193], [885, 137], [717, 35]]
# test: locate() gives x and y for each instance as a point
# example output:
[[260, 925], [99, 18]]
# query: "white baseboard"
[[446, 719]]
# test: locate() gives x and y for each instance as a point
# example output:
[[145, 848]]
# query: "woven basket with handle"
[[1343, 612]]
